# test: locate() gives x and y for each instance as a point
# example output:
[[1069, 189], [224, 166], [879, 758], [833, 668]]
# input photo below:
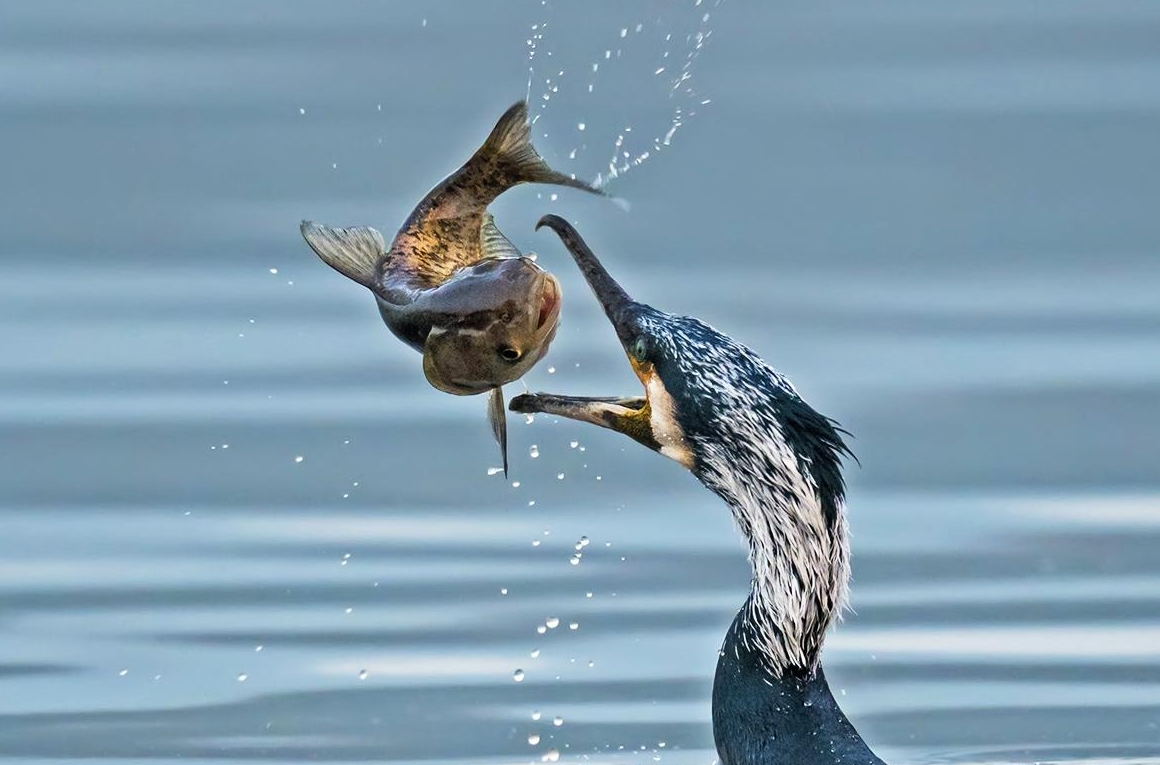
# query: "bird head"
[[710, 403]]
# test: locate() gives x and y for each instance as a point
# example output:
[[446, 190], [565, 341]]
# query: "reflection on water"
[[960, 264]]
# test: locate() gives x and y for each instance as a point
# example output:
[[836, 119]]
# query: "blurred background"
[[237, 524]]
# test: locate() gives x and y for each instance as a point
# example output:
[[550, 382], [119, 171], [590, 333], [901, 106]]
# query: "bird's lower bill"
[[630, 415]]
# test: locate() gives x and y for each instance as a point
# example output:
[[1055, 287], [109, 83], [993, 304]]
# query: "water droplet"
[[494, 470], [551, 370], [123, 672], [558, 721], [541, 630], [591, 664], [624, 32], [535, 716], [531, 503], [518, 675], [243, 677], [258, 648], [533, 739], [552, 755], [535, 543], [574, 626], [534, 452], [363, 674], [559, 476], [424, 22], [273, 270], [299, 459], [503, 590], [302, 111], [535, 654], [552, 622], [553, 197], [588, 595]]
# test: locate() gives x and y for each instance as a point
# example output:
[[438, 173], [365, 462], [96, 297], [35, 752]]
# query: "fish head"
[[495, 320]]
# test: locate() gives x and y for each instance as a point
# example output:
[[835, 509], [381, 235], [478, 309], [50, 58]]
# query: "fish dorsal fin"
[[353, 252], [510, 143], [492, 241]]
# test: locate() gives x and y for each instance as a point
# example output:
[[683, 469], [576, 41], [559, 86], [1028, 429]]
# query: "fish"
[[451, 285]]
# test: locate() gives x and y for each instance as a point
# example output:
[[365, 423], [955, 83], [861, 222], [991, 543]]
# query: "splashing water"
[[657, 55]]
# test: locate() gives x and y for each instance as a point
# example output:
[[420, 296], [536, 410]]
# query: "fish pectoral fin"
[[497, 415], [353, 252], [492, 241]]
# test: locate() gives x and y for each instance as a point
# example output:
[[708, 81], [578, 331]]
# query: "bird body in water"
[[451, 285], [740, 427]]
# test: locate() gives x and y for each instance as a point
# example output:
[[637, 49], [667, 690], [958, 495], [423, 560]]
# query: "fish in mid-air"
[[451, 285]]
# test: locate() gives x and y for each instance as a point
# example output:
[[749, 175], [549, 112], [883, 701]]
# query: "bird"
[[715, 407]]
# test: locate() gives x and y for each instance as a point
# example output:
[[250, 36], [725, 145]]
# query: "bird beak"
[[631, 415]]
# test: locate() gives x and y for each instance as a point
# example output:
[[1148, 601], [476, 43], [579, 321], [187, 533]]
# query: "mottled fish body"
[[451, 285]]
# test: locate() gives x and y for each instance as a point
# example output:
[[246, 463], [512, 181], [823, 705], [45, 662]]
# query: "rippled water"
[[938, 219]]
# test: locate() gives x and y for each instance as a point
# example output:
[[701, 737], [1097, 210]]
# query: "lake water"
[[938, 219]]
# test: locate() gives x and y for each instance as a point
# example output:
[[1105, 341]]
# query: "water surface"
[[938, 219]]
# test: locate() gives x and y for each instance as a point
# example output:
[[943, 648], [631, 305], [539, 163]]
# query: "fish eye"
[[510, 354]]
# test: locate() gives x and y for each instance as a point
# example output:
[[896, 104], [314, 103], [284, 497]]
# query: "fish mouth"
[[549, 302], [631, 415]]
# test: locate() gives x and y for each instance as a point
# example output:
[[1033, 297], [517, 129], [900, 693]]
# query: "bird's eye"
[[639, 349], [510, 354]]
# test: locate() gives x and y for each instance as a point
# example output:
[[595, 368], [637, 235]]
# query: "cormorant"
[[715, 407]]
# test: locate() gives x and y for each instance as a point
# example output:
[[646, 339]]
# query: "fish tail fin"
[[510, 143], [353, 252]]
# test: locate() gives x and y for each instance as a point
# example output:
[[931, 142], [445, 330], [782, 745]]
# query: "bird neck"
[[761, 717], [800, 556]]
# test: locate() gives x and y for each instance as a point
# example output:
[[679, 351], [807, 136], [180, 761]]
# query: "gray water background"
[[938, 218]]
